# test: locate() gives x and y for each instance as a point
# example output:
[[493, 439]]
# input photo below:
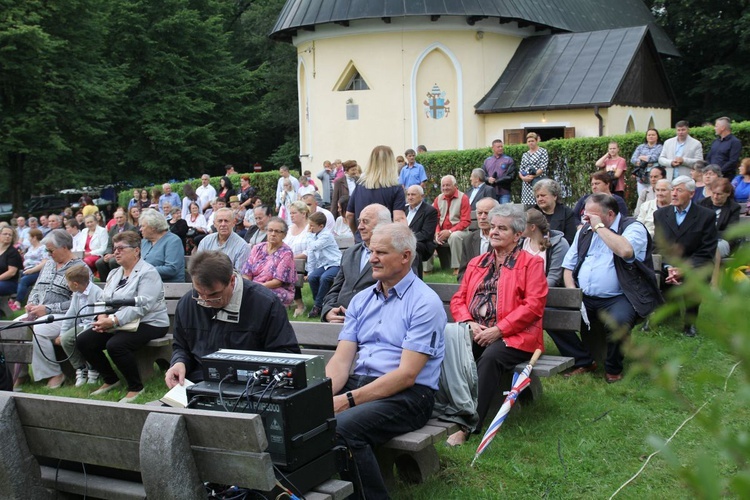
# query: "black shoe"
[[314, 312], [690, 331]]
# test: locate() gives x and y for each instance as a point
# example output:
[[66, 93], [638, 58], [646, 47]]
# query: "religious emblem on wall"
[[436, 105]]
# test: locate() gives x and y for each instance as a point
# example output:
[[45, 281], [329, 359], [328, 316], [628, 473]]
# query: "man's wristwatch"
[[599, 226], [350, 398]]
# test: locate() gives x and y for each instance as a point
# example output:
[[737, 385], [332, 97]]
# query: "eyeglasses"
[[120, 248], [275, 231], [50, 250], [206, 302]]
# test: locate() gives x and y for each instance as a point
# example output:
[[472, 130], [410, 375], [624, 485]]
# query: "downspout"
[[601, 120]]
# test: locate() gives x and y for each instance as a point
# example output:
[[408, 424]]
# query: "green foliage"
[[571, 161], [712, 77], [263, 182], [131, 90]]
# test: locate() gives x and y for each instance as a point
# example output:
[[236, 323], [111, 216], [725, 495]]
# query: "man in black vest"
[[685, 230], [610, 260]]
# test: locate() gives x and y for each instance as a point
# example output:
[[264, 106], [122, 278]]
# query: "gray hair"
[[686, 181], [665, 181], [712, 168], [402, 238], [382, 214], [727, 122], [490, 199], [551, 186], [154, 219], [515, 213], [448, 177], [32, 219], [59, 238], [418, 189], [479, 174]]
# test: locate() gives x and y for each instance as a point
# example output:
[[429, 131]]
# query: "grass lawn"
[[585, 438]]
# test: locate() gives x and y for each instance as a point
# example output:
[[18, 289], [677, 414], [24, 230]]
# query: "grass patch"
[[585, 438]]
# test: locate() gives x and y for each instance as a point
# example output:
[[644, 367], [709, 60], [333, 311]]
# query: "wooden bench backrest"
[[561, 313], [227, 447]]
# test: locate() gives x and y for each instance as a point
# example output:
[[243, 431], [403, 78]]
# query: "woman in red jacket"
[[501, 298]]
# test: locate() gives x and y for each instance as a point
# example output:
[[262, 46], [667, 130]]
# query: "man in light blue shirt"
[[172, 198], [393, 336], [610, 261], [225, 239], [413, 172]]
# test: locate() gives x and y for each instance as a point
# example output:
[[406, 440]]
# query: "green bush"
[[571, 161], [263, 182]]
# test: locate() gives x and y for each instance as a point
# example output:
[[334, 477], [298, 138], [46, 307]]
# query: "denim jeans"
[[320, 282], [503, 198], [369, 425], [25, 284], [612, 318]]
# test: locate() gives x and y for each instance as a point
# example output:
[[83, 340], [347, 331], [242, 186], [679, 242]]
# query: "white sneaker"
[[81, 376], [93, 377]]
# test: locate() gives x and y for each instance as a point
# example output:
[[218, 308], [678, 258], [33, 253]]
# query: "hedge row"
[[570, 163]]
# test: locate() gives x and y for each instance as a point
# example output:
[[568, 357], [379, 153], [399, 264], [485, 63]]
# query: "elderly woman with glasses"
[[161, 248], [271, 263], [131, 327], [50, 296]]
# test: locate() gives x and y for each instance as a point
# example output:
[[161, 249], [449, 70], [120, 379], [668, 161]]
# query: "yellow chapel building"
[[452, 74]]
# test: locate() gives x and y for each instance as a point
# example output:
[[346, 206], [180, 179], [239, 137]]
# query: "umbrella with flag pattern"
[[520, 382]]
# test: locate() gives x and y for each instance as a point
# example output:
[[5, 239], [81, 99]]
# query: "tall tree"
[[186, 107], [273, 117], [55, 91], [712, 78]]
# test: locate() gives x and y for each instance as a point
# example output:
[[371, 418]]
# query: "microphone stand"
[[51, 319]]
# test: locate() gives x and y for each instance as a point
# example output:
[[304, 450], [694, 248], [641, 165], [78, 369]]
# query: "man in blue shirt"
[[172, 198], [413, 172], [610, 261], [393, 336], [726, 149]]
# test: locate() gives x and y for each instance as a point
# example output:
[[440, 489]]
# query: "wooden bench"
[[413, 454], [132, 451], [562, 313]]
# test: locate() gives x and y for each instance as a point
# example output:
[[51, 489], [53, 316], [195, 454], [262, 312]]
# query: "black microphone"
[[133, 301]]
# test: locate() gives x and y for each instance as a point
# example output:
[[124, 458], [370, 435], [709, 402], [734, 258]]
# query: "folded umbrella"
[[520, 382]]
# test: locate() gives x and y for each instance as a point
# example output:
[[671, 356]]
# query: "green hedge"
[[263, 182], [571, 161]]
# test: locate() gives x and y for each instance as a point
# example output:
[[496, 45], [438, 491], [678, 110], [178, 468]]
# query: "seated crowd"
[[397, 358]]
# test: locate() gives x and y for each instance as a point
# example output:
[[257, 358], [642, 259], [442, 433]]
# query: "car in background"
[[47, 204], [6, 211]]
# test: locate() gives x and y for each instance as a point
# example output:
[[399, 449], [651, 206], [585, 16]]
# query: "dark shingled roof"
[[575, 70], [558, 15]]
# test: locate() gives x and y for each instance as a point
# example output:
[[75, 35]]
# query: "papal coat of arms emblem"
[[436, 105]]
